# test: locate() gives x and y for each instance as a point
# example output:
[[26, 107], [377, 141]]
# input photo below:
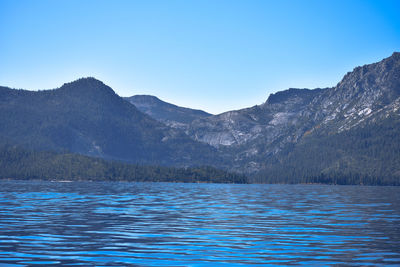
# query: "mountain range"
[[87, 117], [349, 132]]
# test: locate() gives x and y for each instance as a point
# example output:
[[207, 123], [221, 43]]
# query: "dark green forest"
[[368, 155], [19, 163]]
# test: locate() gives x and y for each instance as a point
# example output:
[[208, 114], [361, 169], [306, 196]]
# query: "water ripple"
[[161, 224]]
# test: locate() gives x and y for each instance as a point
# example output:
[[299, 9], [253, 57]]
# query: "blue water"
[[164, 224]]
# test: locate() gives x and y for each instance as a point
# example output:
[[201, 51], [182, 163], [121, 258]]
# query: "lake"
[[164, 224]]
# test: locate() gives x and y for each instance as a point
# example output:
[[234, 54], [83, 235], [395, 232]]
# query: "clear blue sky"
[[213, 55]]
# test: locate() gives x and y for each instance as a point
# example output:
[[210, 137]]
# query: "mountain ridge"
[[167, 113], [296, 134], [281, 101]]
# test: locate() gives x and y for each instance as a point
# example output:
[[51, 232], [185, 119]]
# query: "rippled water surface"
[[155, 224]]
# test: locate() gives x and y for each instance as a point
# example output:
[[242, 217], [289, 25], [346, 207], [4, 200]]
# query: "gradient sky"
[[213, 55]]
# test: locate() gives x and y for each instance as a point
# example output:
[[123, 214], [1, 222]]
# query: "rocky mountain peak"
[[382, 73], [292, 96]]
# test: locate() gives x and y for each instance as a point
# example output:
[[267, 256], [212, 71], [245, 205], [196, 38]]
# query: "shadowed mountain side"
[[87, 117]]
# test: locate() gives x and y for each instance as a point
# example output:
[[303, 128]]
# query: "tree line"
[[19, 163]]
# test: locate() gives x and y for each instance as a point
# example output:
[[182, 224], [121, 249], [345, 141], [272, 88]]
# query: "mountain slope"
[[255, 134], [361, 155], [356, 132], [171, 115], [87, 117], [260, 137]]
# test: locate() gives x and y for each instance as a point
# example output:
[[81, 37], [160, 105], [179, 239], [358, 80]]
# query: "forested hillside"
[[368, 155], [18, 163], [87, 117]]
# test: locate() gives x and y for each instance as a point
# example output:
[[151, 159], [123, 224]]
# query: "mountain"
[[346, 134], [87, 117], [169, 114], [272, 137]]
